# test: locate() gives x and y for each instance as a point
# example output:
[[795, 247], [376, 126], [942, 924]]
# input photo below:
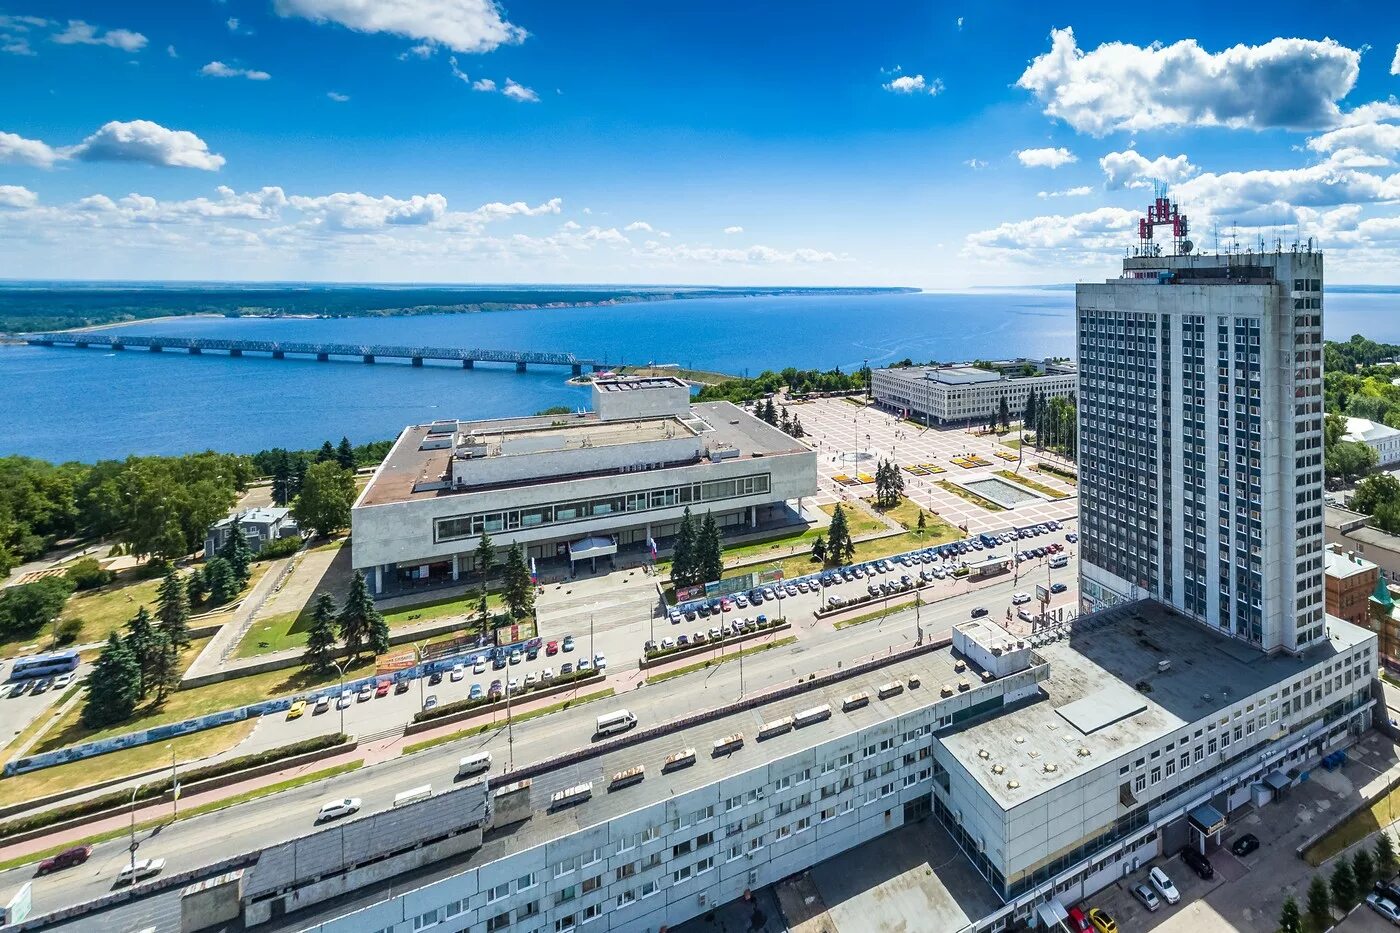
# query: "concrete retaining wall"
[[701, 650], [414, 728]]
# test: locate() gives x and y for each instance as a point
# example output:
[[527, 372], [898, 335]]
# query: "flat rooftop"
[[1106, 697], [960, 374], [1342, 566], [639, 383], [933, 669], [716, 424]]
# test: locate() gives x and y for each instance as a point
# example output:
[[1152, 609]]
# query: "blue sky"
[[931, 144]]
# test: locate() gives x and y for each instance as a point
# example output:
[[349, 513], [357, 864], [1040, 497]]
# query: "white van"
[[474, 764], [620, 721], [413, 796], [1059, 560]]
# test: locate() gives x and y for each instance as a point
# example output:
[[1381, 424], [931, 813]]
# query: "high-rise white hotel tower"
[[1200, 435]]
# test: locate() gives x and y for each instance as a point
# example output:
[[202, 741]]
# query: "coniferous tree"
[[1028, 417], [345, 455], [1319, 903], [1363, 869], [282, 490], [164, 675], [485, 558], [683, 552], [711, 550], [173, 608], [785, 421], [359, 620], [1289, 918], [219, 581], [113, 686], [922, 524], [321, 639], [1385, 855], [1344, 894], [236, 551], [1004, 414], [140, 641], [840, 548], [519, 592], [326, 454], [819, 549], [196, 588]]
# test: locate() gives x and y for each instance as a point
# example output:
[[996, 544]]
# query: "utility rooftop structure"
[[570, 487], [1200, 437], [965, 392]]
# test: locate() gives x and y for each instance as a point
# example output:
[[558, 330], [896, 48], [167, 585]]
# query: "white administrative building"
[[963, 393]]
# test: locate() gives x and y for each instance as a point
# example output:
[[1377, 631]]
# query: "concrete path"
[[226, 639]]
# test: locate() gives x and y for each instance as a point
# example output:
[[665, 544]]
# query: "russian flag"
[[534, 576], [651, 543]]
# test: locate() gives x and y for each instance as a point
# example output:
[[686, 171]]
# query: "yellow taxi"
[[1102, 922], [298, 707]]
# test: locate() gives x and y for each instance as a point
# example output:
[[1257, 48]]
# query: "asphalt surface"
[[247, 827]]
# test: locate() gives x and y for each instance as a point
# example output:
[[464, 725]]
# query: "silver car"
[[1148, 897]]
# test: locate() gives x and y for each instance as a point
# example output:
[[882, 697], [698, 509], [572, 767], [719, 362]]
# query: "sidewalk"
[[222, 644]]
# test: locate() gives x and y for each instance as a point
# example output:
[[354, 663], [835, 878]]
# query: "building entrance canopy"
[[590, 547]]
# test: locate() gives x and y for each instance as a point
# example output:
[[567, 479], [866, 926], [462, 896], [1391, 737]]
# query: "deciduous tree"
[[327, 493]]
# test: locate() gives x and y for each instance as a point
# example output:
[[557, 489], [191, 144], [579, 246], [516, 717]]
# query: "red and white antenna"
[[1162, 212]]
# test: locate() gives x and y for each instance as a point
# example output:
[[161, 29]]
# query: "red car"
[[384, 687], [1078, 922], [552, 648], [66, 859]]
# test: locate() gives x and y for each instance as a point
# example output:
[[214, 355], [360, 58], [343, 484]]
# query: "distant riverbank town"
[[573, 488], [963, 393]]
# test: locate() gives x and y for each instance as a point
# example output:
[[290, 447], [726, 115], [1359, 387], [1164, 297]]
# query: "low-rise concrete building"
[[259, 526], [571, 488], [1381, 438], [1350, 531], [965, 393]]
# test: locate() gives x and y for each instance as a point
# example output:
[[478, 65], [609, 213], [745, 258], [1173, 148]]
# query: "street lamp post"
[[174, 784], [340, 667], [418, 656], [131, 846]]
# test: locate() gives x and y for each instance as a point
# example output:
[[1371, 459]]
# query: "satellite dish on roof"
[[1187, 246]]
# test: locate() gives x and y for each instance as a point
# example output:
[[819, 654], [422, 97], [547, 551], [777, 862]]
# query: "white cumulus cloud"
[[218, 69], [1370, 144], [81, 33], [483, 84], [358, 211], [17, 150], [733, 230], [1046, 158], [461, 25], [639, 225], [338, 97], [144, 141], [1130, 169], [914, 84], [1078, 192], [17, 196], [1395, 62], [1289, 83], [519, 92]]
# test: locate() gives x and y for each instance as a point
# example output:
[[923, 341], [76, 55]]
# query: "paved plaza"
[[842, 432]]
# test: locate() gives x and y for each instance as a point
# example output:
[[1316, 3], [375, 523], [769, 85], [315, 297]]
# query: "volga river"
[[61, 404]]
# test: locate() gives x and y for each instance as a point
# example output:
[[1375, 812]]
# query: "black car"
[[531, 654], [1058, 588], [1198, 863], [401, 687], [1390, 890], [434, 678], [1245, 844], [978, 612]]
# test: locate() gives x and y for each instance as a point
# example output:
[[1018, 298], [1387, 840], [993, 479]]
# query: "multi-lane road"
[[202, 840]]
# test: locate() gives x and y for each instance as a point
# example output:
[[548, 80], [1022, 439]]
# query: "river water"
[[62, 404]]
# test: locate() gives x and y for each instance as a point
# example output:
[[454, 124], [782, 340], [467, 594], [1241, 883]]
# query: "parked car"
[[1385, 907], [384, 687], [552, 648], [583, 665], [63, 680], [1101, 921], [546, 675], [1023, 615], [401, 687], [366, 693], [1390, 890], [683, 640], [141, 868], [1198, 863], [1071, 537], [335, 809], [674, 615], [65, 859], [690, 615], [716, 632], [1019, 598], [1245, 844], [1078, 921], [1164, 885], [297, 708], [1147, 896], [434, 678], [476, 692], [496, 690], [498, 663], [531, 679], [566, 668], [600, 663], [568, 643], [430, 702], [323, 703], [516, 657], [346, 698]]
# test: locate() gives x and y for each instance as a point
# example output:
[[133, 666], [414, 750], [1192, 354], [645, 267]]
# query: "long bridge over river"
[[278, 349]]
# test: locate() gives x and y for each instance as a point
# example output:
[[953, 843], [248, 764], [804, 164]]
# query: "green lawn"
[[108, 608], [1362, 824], [878, 614], [1055, 472], [288, 629], [1032, 484], [1014, 443], [935, 528]]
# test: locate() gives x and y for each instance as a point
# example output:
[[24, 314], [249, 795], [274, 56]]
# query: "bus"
[[44, 665]]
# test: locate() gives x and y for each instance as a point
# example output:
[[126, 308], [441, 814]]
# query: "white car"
[[531, 679], [1023, 615], [458, 672], [335, 809], [479, 667], [63, 680], [1164, 885], [546, 675], [600, 662], [582, 665], [142, 868], [1020, 599], [346, 698], [667, 644]]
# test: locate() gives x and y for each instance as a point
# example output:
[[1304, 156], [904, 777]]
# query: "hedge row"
[[163, 784], [459, 706]]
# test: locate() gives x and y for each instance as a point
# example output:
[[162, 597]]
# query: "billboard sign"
[[686, 593], [1042, 593], [17, 911], [770, 576], [397, 661], [738, 584]]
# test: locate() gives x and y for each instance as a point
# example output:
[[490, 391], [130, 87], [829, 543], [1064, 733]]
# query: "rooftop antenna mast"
[[1162, 212]]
